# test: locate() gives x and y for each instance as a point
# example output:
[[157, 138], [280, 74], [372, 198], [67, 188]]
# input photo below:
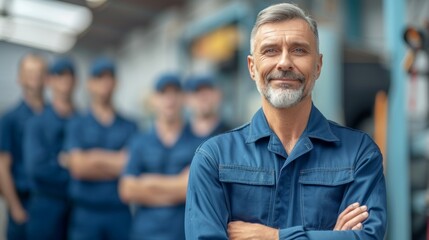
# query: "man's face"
[[285, 63], [101, 87], [32, 74], [205, 101], [62, 85], [169, 102]]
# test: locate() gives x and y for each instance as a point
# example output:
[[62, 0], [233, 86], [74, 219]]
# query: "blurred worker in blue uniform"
[[156, 175], [96, 143], [43, 143], [204, 99], [13, 178]]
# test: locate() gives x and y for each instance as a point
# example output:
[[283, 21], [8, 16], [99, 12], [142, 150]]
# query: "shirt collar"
[[96, 121], [259, 127], [51, 110], [317, 127], [24, 105]]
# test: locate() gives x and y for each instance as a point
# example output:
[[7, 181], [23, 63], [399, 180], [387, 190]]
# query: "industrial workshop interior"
[[374, 78]]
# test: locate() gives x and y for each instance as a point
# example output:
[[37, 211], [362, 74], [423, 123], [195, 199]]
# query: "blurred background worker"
[[96, 142], [13, 178], [204, 100], [43, 143], [156, 175]]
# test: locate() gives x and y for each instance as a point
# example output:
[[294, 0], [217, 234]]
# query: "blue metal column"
[[353, 15], [398, 181]]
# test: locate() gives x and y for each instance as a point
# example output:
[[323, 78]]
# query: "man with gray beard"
[[285, 96], [290, 173]]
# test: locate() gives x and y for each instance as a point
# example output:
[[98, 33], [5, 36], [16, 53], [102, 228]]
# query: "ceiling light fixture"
[[45, 24], [95, 3]]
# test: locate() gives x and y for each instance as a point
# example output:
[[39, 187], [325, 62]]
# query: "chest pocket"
[[322, 192], [250, 192]]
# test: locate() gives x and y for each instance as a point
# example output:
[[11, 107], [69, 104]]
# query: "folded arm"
[[207, 215], [95, 164], [350, 219], [155, 189], [361, 223]]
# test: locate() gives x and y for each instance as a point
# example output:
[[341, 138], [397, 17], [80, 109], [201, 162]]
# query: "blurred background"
[[366, 57]]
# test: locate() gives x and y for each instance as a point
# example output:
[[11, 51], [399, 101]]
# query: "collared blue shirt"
[[43, 142], [12, 127], [149, 155], [85, 133], [247, 175]]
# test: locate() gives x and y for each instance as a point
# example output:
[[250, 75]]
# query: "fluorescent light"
[[95, 3], [33, 34], [72, 17], [45, 24]]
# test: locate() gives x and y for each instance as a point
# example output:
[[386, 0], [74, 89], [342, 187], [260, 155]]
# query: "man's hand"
[[18, 214], [238, 230], [351, 218]]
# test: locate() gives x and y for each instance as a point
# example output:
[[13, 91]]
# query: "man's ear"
[[319, 67], [251, 66]]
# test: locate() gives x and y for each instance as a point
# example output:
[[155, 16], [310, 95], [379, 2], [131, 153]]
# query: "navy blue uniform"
[[43, 142], [148, 154], [11, 140], [247, 175], [98, 212]]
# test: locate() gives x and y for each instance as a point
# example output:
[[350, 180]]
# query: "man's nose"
[[285, 62]]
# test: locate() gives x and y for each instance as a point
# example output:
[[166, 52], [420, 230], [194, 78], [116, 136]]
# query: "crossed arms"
[[154, 189], [350, 219], [208, 217], [95, 164]]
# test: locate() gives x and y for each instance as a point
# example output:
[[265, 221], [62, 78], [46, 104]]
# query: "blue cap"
[[102, 65], [198, 81], [167, 80], [61, 65]]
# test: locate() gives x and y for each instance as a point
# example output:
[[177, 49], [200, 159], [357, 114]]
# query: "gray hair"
[[282, 12]]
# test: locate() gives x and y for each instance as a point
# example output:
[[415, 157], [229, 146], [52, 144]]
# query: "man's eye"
[[269, 51], [300, 50]]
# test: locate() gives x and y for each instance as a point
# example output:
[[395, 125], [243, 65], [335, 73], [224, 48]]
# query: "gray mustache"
[[285, 74]]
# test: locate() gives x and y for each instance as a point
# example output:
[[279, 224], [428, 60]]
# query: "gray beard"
[[283, 97]]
